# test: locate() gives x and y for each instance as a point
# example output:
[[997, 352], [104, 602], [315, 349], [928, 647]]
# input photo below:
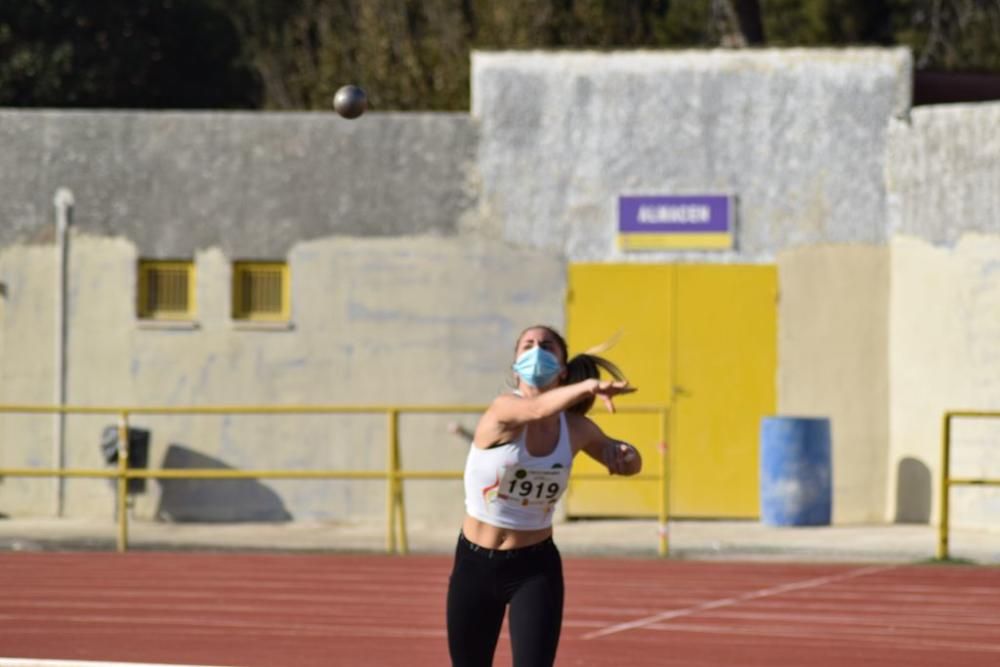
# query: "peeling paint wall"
[[944, 192], [27, 373], [945, 355], [420, 244], [798, 135], [250, 184], [833, 338], [410, 320], [395, 293], [942, 172]]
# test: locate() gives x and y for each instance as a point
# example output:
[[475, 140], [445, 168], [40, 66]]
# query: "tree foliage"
[[108, 53], [950, 34], [414, 54]]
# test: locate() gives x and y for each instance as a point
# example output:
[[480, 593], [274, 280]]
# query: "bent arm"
[[620, 458]]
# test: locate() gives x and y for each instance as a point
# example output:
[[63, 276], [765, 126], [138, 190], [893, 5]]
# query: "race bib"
[[524, 486]]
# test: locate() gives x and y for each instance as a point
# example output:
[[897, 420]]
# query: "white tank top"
[[506, 486]]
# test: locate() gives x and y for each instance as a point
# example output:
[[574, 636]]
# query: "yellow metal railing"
[[393, 475], [947, 481]]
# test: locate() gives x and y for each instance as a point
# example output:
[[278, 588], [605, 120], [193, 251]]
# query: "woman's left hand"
[[620, 458]]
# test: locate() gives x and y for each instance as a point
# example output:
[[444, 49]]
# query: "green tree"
[[949, 34], [103, 53], [414, 54], [943, 34], [827, 22], [408, 54]]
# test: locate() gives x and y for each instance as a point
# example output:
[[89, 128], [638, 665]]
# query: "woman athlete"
[[517, 469]]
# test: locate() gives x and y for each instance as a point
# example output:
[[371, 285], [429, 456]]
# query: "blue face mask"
[[537, 367]]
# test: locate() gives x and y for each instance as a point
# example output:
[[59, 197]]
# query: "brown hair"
[[580, 367]]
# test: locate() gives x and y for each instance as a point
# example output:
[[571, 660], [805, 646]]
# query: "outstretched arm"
[[509, 413], [517, 410]]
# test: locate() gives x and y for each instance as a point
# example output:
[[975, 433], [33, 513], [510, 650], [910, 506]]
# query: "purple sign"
[[675, 221], [674, 213]]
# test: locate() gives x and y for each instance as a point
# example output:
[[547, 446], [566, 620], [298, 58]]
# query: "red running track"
[[302, 611]]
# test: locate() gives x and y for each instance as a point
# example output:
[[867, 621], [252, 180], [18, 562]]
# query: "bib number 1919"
[[533, 487], [527, 488]]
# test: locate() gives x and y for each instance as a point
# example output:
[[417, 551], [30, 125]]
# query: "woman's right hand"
[[609, 389]]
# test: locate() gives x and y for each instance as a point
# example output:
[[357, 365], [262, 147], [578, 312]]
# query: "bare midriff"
[[494, 537]]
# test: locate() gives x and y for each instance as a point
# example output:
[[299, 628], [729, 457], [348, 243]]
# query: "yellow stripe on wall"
[[675, 241]]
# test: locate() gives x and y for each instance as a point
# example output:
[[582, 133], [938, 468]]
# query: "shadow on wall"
[[214, 500], [913, 492]]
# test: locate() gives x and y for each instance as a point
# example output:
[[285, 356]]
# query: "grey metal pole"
[[63, 201]]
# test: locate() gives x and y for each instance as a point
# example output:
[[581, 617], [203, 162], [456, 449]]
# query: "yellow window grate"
[[166, 290], [260, 291]]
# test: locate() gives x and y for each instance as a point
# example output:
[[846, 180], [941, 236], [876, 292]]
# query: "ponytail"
[[587, 366]]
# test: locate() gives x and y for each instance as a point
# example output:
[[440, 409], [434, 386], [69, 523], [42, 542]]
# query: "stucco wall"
[[944, 178], [798, 135], [943, 172], [420, 243], [31, 370], [251, 184], [945, 354], [225, 186], [408, 320], [833, 362]]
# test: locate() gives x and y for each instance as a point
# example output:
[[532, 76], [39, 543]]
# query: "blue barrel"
[[795, 478]]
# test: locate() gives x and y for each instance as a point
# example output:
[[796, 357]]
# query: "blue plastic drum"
[[795, 476]]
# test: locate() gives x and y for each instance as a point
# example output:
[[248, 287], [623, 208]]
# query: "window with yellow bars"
[[261, 291], [166, 290]]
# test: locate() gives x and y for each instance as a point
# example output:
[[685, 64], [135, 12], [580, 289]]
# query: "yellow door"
[[725, 338], [630, 300], [702, 339]]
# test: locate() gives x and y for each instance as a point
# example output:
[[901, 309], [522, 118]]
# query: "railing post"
[[122, 482], [664, 526], [942, 550], [404, 545], [390, 482]]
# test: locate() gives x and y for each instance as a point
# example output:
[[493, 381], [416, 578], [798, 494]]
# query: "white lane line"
[[297, 631], [727, 602], [881, 638], [32, 662], [912, 616]]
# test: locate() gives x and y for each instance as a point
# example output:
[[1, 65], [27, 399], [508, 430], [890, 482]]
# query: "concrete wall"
[[834, 362], [943, 179], [397, 289], [942, 172], [32, 370], [251, 184], [798, 135], [945, 351], [419, 245], [375, 321]]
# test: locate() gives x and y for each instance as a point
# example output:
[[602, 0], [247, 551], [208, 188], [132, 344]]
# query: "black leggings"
[[483, 582]]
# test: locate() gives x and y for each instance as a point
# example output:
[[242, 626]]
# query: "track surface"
[[284, 610]]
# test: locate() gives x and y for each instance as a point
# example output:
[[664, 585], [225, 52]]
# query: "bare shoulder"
[[492, 427], [499, 409]]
